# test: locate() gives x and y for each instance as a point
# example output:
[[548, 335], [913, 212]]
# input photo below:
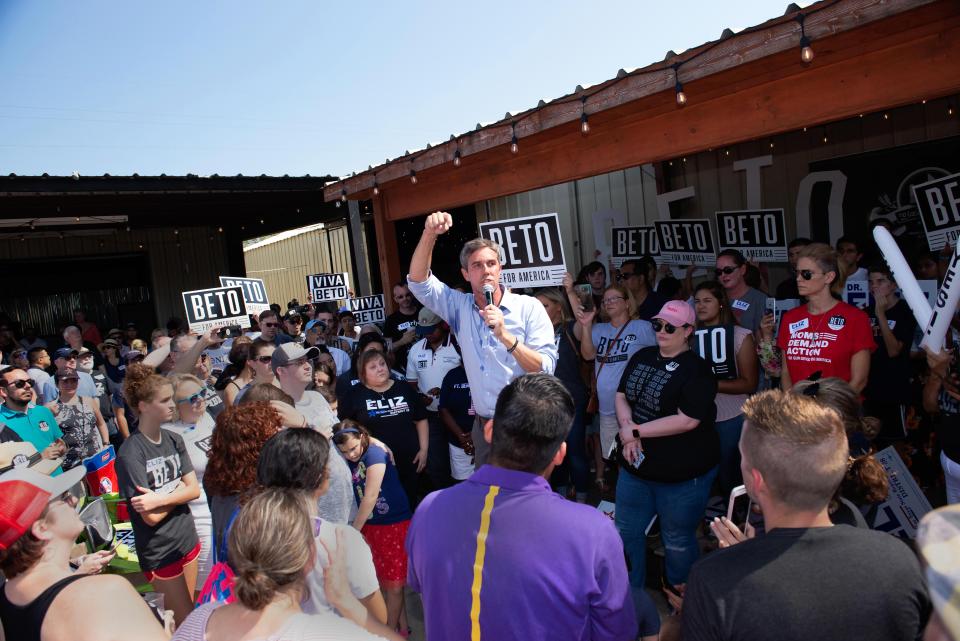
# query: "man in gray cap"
[[66, 358], [428, 361]]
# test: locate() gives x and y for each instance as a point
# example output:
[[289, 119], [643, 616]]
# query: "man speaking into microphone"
[[502, 335]]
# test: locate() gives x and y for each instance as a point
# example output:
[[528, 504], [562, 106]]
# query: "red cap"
[[24, 495]]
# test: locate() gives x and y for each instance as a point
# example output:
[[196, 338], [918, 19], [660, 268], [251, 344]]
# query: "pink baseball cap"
[[677, 313]]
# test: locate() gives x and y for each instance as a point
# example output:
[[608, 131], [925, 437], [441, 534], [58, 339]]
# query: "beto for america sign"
[[531, 251], [757, 234], [215, 307]]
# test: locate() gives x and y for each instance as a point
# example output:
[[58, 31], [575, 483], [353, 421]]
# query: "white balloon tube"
[[909, 288], [945, 306]]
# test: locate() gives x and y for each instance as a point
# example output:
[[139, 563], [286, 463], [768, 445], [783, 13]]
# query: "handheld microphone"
[[488, 294]]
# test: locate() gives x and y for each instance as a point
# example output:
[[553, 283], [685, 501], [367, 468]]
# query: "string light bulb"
[[584, 124], [413, 177], [806, 51], [678, 86], [343, 195], [514, 143], [456, 158], [376, 187]]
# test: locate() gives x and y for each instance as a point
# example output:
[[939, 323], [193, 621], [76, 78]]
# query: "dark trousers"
[[438, 456]]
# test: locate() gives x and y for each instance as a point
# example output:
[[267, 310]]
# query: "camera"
[[304, 309], [232, 331]]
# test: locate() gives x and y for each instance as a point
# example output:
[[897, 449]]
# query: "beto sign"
[[686, 242], [254, 292], [367, 309], [215, 307], [757, 234], [939, 205], [633, 242], [531, 251], [327, 287]]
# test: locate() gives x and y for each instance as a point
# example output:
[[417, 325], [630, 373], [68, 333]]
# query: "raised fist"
[[438, 222]]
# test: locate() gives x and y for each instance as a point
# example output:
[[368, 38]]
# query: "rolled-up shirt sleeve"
[[540, 337], [433, 294]]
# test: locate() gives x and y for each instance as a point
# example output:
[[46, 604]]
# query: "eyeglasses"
[[725, 270], [612, 300], [195, 398], [298, 362], [659, 325], [806, 274], [264, 359], [19, 384], [271, 324], [625, 275]]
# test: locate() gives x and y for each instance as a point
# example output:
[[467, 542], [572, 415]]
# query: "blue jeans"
[[679, 506], [574, 467], [729, 433]]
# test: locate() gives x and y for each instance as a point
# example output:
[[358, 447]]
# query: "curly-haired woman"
[[232, 460]]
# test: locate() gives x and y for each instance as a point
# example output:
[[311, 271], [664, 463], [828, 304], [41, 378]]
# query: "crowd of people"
[[291, 482]]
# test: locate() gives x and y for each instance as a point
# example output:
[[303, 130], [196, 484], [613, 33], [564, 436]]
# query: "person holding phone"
[[669, 450]]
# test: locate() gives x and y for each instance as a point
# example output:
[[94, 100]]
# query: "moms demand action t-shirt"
[[823, 342]]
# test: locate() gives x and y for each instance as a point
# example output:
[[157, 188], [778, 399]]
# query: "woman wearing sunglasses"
[[194, 424], [669, 448], [258, 369], [825, 335], [79, 418], [747, 304], [43, 598], [610, 346], [733, 385], [156, 477]]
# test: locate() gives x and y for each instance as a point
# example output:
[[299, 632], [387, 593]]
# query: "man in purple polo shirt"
[[500, 556]]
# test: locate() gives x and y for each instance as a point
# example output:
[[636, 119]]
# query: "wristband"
[[514, 346]]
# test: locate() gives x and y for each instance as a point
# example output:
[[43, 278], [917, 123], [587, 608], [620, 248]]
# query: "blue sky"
[[304, 86]]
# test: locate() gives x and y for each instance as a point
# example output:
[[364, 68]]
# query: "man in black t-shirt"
[[805, 578], [401, 326]]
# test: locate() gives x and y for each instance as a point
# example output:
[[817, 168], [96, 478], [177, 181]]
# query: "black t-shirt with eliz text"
[[389, 416], [656, 387]]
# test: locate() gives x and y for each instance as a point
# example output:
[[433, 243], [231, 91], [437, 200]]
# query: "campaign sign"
[[905, 505], [633, 242], [715, 345], [857, 293], [367, 309], [686, 242], [757, 234], [328, 287], [215, 307], [531, 252], [778, 307], [254, 292], [939, 205]]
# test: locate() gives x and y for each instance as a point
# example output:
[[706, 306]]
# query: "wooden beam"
[[922, 62], [824, 20], [387, 252]]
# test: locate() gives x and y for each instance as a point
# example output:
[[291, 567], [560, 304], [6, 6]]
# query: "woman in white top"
[[713, 310], [271, 546], [195, 425]]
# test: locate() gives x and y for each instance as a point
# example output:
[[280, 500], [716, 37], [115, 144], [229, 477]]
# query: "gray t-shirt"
[[316, 410], [337, 505], [749, 309], [158, 467], [615, 354]]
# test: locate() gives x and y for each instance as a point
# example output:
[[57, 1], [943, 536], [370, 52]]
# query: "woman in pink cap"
[[43, 598], [668, 448]]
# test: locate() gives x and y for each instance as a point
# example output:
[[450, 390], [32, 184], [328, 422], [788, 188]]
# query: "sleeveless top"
[[79, 426], [23, 622]]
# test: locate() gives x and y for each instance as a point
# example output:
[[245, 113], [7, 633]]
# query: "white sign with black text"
[[215, 307], [939, 205], [760, 235], [367, 309], [633, 242], [716, 346], [531, 250], [857, 293], [254, 292], [686, 242], [328, 287], [905, 505]]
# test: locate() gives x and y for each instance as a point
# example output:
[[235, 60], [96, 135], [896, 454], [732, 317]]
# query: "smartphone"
[[232, 331], [585, 294], [738, 508]]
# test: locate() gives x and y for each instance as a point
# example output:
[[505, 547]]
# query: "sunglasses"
[[725, 270], [192, 399], [806, 274], [625, 275], [659, 325], [612, 300], [20, 384], [264, 359], [69, 381], [271, 324]]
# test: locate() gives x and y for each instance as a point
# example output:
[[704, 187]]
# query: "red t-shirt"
[[824, 342]]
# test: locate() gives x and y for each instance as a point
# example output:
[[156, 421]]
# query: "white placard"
[[686, 242], [905, 505], [367, 309], [633, 242], [254, 292], [857, 293], [531, 250], [939, 204], [215, 307], [328, 287], [760, 234]]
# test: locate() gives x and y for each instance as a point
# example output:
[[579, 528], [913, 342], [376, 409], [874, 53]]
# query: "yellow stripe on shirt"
[[478, 562]]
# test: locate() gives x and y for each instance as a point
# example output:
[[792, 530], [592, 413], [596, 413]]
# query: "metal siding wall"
[[195, 263], [285, 264]]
